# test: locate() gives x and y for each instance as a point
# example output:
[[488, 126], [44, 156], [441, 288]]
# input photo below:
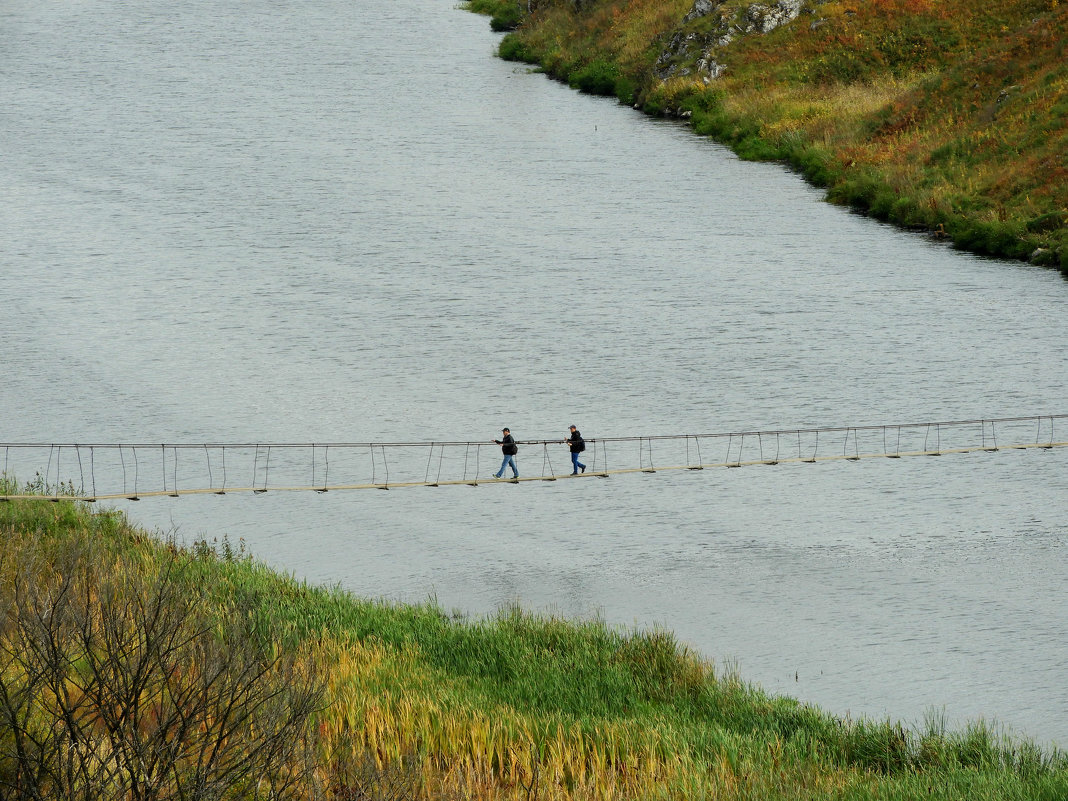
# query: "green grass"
[[572, 709]]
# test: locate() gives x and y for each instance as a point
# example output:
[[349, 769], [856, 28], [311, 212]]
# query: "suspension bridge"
[[131, 471]]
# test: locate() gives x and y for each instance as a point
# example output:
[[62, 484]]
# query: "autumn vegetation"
[[946, 116], [134, 668]]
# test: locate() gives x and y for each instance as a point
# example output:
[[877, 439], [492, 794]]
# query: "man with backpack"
[[578, 445], [509, 449]]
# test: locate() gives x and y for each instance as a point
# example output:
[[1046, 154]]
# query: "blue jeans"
[[509, 459], [576, 464]]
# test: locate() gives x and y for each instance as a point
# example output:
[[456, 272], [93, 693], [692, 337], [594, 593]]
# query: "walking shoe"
[[575, 473], [583, 468]]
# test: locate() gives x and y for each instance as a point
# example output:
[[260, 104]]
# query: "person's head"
[[506, 431], [572, 428]]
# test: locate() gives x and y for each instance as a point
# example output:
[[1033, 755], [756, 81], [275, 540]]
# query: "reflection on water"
[[350, 222]]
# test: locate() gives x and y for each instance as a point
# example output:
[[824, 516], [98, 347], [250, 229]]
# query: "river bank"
[[949, 118], [403, 701]]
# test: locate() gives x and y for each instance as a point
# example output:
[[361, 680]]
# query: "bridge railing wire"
[[92, 470]]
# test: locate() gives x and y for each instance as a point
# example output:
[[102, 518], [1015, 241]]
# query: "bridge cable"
[[326, 469], [175, 493], [856, 446], [547, 461], [48, 468], [137, 471], [81, 474]]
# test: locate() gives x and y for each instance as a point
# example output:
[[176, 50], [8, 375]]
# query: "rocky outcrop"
[[713, 24], [701, 8], [764, 19]]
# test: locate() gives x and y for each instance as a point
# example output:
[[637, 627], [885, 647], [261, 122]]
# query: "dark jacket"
[[578, 444], [508, 446]]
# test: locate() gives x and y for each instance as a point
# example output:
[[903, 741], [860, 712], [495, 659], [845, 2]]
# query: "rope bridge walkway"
[[94, 471]]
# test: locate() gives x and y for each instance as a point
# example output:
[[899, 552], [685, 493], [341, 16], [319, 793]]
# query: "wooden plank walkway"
[[175, 492]]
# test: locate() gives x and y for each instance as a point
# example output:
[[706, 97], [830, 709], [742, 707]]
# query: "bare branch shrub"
[[363, 780], [121, 683]]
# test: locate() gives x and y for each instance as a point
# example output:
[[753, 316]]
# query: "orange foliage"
[[914, 7], [907, 6]]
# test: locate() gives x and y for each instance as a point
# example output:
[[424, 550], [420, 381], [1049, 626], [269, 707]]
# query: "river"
[[272, 221]]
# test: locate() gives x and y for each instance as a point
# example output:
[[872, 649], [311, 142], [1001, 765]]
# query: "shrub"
[[599, 77], [507, 19], [1047, 222], [626, 90], [501, 12], [756, 148], [512, 48], [991, 238], [119, 684], [841, 66], [710, 123], [859, 188], [916, 43], [706, 101], [814, 163]]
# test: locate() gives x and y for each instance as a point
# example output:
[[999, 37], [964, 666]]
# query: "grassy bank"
[[408, 701], [949, 117]]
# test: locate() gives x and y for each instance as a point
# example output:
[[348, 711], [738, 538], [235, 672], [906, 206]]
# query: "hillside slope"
[[950, 116]]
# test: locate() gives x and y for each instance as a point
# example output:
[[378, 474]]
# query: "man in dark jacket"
[[578, 445], [509, 449]]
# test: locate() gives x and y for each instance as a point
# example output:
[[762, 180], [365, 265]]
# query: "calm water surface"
[[275, 221]]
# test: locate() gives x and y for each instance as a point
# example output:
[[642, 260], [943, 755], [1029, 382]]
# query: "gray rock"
[[766, 18], [694, 50], [1041, 256], [1008, 90], [709, 66], [680, 55], [701, 8]]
